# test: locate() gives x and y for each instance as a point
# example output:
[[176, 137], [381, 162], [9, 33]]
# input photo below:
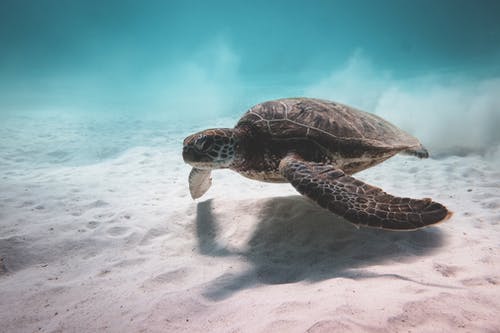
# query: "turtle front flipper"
[[199, 182], [358, 202]]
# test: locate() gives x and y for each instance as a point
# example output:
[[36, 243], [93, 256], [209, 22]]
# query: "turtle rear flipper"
[[358, 202], [199, 182]]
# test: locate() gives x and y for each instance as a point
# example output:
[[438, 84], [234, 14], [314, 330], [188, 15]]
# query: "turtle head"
[[210, 149]]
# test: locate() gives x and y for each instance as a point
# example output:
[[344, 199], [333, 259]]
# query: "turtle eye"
[[204, 143]]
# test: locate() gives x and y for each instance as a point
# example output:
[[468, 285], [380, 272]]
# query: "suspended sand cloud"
[[356, 83], [456, 118], [451, 114], [203, 86]]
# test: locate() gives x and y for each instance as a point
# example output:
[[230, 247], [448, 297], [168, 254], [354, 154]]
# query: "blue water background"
[[82, 81]]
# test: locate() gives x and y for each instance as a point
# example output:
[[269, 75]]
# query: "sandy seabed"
[[118, 245]]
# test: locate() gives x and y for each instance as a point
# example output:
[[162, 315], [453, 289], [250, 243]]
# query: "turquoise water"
[[98, 231], [82, 81]]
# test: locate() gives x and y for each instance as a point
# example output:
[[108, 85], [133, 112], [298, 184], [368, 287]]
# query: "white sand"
[[119, 246]]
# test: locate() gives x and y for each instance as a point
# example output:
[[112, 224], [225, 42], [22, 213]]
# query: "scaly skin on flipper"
[[358, 202]]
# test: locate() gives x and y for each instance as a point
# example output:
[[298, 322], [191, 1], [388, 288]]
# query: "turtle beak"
[[188, 154], [192, 155]]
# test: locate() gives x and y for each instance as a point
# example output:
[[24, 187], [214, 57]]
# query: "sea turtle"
[[316, 145]]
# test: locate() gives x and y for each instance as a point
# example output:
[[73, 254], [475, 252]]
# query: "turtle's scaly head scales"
[[210, 149]]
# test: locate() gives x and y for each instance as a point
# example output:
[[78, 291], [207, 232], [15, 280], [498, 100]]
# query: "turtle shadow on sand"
[[294, 240]]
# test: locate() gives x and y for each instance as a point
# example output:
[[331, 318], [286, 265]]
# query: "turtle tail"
[[419, 151]]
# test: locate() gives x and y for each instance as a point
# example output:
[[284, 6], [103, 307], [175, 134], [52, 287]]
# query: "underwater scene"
[[119, 212]]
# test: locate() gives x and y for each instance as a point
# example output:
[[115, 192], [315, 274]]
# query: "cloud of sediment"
[[202, 86], [449, 113]]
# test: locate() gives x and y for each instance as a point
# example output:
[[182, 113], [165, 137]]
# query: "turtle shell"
[[337, 127]]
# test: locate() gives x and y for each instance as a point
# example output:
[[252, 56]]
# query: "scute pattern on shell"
[[331, 124]]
